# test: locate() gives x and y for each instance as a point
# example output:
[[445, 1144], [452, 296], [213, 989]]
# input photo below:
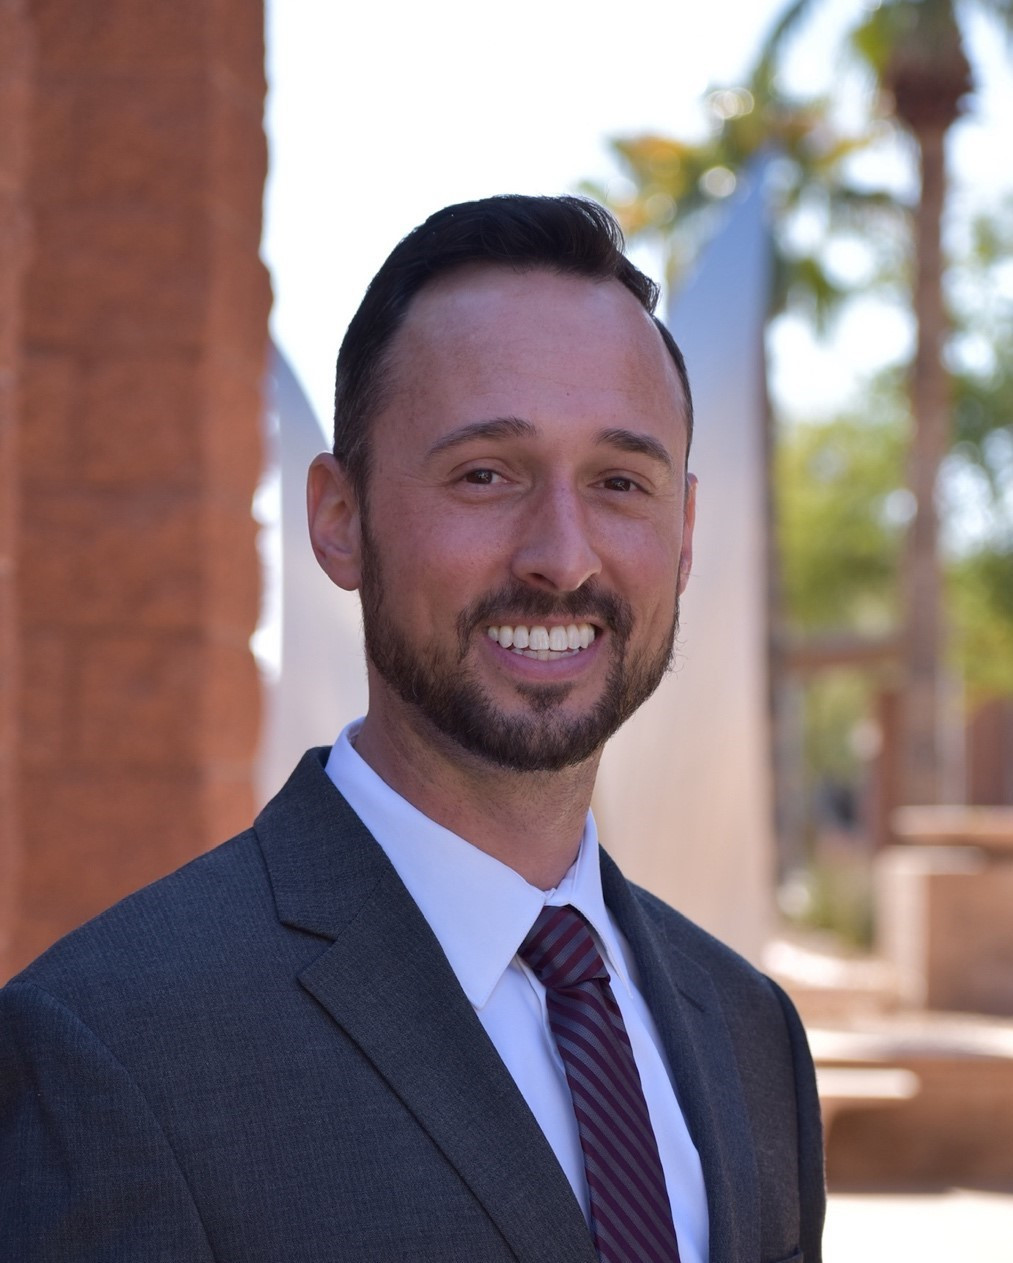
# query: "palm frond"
[[762, 77]]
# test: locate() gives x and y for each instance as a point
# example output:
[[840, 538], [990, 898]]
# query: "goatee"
[[445, 688]]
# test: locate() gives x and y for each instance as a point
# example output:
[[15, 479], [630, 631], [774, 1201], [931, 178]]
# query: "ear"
[[688, 522], [334, 523]]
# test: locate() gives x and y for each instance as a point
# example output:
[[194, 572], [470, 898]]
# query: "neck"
[[531, 821]]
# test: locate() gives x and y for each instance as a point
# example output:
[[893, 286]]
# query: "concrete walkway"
[[928, 1227]]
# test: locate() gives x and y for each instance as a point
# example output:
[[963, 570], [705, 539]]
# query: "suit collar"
[[385, 981], [479, 908], [317, 880], [687, 1011]]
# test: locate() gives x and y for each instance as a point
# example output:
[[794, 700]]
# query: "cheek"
[[435, 564], [649, 580], [456, 540], [646, 554]]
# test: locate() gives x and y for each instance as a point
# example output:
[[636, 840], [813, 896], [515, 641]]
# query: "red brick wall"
[[15, 72], [144, 341]]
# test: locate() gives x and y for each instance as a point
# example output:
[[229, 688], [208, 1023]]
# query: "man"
[[413, 1014]]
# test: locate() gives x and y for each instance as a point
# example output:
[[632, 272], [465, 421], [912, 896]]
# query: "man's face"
[[527, 531]]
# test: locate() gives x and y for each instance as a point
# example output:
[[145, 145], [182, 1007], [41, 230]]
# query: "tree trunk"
[[921, 761]]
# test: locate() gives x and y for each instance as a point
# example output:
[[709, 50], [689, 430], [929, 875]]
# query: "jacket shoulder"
[[217, 908], [161, 931]]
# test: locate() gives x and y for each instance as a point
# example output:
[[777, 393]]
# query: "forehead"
[[495, 332]]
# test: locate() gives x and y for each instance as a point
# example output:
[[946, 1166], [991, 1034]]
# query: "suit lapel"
[[386, 982], [687, 1011]]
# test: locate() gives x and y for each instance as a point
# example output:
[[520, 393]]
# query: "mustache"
[[590, 603]]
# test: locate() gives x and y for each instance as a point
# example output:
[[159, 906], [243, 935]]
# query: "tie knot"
[[560, 950]]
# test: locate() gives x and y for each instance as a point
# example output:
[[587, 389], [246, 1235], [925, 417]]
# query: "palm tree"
[[679, 185], [915, 50], [925, 70]]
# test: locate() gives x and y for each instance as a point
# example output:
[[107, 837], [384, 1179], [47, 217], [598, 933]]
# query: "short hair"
[[569, 235]]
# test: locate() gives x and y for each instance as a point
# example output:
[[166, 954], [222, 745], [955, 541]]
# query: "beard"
[[546, 737]]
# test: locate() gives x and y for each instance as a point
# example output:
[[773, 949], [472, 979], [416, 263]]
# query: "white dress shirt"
[[480, 911]]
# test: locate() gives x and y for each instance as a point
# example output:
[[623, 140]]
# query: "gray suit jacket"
[[267, 1057]]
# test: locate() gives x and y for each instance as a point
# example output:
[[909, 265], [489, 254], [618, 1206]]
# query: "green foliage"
[[918, 29], [981, 289], [836, 702], [839, 897], [835, 892], [980, 574], [837, 491], [981, 604], [680, 184]]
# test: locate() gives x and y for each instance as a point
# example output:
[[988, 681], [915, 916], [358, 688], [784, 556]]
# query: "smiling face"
[[528, 527]]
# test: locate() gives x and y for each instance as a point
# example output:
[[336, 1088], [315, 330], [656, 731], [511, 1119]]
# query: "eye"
[[482, 477], [620, 483]]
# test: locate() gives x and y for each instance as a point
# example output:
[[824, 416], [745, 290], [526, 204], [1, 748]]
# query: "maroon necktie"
[[631, 1218]]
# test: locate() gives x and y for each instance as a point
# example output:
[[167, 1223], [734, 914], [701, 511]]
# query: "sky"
[[380, 114]]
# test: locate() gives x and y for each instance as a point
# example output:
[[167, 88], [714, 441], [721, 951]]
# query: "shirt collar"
[[479, 908]]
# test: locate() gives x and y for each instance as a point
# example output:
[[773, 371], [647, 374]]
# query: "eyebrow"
[[516, 427], [496, 428], [638, 444]]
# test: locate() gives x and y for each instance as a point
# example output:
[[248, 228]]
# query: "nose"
[[554, 549]]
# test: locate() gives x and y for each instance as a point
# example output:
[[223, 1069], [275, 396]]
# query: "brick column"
[[145, 337], [15, 73]]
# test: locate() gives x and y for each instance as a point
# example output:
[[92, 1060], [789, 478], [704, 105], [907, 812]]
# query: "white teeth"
[[539, 642]]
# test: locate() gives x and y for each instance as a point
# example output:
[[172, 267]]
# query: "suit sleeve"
[[88, 1173], [811, 1179]]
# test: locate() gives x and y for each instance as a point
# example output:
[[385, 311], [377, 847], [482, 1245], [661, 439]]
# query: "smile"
[[544, 643]]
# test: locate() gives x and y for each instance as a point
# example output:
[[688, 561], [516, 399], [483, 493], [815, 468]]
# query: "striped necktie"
[[631, 1218]]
